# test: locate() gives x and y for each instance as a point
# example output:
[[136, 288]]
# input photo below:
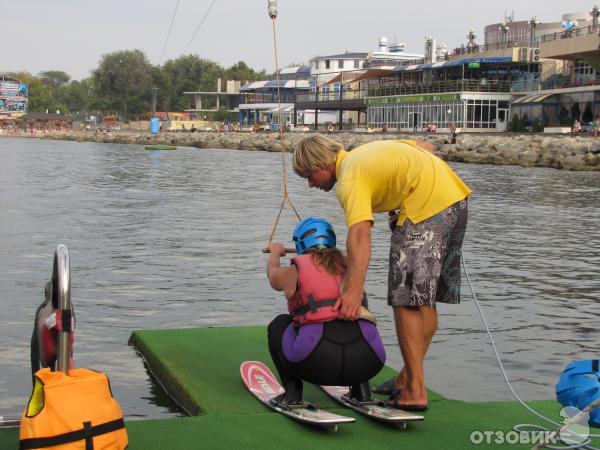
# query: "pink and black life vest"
[[316, 293]]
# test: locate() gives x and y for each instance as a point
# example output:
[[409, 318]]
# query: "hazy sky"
[[72, 35]]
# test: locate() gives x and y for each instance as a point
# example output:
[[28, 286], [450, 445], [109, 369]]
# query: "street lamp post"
[[533, 22], [471, 36], [503, 32], [595, 12]]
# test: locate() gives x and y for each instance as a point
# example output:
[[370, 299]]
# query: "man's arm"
[[358, 246]]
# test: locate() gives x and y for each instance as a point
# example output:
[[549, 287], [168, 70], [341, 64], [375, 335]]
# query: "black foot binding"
[[361, 394], [284, 403]]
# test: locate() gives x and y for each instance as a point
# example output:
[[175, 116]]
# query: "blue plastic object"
[[579, 386], [313, 232], [155, 125]]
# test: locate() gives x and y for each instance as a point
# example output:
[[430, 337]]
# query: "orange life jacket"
[[316, 294], [75, 411]]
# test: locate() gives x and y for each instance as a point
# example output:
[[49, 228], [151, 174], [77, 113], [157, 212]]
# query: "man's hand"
[[349, 305]]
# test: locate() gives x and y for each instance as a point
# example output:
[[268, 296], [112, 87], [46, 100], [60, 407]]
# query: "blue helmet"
[[313, 232], [579, 385]]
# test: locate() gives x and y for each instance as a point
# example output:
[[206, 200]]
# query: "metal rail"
[[567, 34], [61, 278]]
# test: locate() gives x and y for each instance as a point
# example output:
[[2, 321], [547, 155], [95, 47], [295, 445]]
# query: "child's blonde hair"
[[331, 259]]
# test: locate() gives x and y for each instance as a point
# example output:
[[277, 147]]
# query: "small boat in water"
[[160, 147]]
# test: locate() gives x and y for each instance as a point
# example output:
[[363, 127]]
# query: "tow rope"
[[272, 8]]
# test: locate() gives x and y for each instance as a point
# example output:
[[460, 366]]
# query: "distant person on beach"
[[453, 133], [427, 204], [311, 343], [576, 127]]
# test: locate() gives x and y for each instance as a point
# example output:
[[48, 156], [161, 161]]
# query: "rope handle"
[[287, 250]]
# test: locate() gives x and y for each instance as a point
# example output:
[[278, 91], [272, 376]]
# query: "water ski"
[[376, 409], [261, 382]]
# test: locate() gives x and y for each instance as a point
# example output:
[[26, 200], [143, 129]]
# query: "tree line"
[[123, 81]]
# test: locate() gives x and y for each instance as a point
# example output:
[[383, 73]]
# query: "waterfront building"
[[548, 77], [325, 82], [568, 88], [335, 95], [469, 88], [523, 33], [260, 102], [391, 54], [230, 97], [471, 93]]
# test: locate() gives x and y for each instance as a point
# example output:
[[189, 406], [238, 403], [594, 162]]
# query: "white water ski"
[[261, 382], [378, 410]]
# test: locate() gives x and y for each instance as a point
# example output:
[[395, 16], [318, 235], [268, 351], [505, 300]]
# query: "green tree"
[[123, 82], [223, 115], [189, 73], [54, 78], [76, 95], [41, 98], [524, 123], [241, 72], [536, 126], [515, 123]]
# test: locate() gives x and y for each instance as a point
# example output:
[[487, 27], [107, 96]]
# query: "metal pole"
[[317, 109], [154, 91], [62, 278], [341, 112]]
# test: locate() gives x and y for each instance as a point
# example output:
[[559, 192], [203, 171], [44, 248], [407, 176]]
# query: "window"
[[357, 63], [327, 63]]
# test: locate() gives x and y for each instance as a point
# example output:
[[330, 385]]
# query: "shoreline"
[[579, 153]]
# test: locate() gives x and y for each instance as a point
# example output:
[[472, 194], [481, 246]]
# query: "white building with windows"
[[332, 78]]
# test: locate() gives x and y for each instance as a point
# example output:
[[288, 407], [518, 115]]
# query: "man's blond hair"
[[314, 152]]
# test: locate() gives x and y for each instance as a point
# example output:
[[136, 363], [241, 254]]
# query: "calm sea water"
[[173, 239]]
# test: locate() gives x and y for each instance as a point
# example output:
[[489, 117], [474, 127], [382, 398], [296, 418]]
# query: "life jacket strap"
[[313, 305], [87, 433]]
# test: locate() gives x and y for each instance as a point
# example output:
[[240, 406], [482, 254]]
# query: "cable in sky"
[[201, 22], [169, 33]]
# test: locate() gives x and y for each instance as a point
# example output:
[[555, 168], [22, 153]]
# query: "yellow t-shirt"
[[395, 175]]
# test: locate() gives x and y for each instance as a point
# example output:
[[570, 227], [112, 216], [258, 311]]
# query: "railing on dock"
[[567, 34]]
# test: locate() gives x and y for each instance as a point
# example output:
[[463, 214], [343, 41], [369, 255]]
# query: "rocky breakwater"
[[534, 150], [559, 152]]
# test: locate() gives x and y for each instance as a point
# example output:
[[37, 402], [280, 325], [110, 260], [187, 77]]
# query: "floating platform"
[[200, 369], [160, 147]]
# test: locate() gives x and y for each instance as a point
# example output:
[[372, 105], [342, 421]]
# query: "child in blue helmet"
[[311, 343]]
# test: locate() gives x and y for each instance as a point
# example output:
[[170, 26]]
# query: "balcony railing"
[[267, 98], [525, 85], [483, 85], [584, 31], [331, 96], [466, 50]]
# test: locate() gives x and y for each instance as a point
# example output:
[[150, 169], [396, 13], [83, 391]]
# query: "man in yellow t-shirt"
[[427, 203]]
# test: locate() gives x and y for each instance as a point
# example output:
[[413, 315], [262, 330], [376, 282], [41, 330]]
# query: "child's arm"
[[281, 278]]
